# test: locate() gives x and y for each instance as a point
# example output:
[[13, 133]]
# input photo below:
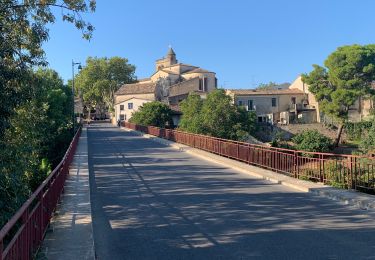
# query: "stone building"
[[171, 83], [273, 106], [359, 111]]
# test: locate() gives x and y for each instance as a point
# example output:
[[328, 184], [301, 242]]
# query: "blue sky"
[[244, 42]]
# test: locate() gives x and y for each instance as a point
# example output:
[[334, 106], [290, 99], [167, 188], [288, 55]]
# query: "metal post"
[[79, 67], [73, 93]]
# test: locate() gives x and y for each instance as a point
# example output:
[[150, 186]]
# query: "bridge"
[[152, 201]]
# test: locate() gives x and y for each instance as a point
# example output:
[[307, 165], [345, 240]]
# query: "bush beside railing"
[[23, 234], [343, 171]]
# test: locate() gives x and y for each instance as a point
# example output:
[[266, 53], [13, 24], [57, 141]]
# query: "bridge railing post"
[[1, 249]]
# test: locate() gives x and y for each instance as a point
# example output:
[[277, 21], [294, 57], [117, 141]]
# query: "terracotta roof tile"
[[198, 70], [136, 88]]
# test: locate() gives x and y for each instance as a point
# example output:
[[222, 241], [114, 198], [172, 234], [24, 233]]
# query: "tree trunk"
[[338, 136]]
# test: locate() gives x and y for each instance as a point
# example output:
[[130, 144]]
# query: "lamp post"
[[79, 68]]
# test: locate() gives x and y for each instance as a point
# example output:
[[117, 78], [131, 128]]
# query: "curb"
[[347, 197]]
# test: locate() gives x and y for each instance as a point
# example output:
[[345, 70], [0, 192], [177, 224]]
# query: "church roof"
[[171, 52], [144, 79], [136, 88], [182, 64], [169, 71], [198, 70]]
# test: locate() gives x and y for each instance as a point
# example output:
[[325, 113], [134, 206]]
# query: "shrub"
[[367, 144], [153, 113], [312, 141]]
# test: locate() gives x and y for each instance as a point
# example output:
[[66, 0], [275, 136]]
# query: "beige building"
[[273, 106], [171, 83], [125, 109], [359, 111]]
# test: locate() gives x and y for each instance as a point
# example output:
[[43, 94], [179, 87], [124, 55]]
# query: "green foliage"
[[336, 174], [272, 85], [24, 27], [38, 135], [35, 107], [357, 130], [267, 86], [191, 109], [367, 144], [153, 113], [312, 141], [216, 116], [347, 75], [101, 78]]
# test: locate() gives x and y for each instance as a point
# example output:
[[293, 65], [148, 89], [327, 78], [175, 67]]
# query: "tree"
[[272, 85], [216, 116], [154, 114], [101, 78], [367, 144], [28, 104], [191, 109], [23, 30], [267, 86], [36, 139], [312, 141], [347, 75]]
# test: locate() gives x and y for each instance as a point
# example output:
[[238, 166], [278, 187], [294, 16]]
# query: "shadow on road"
[[153, 202]]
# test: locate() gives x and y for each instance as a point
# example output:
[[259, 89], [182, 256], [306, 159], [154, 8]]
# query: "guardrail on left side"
[[23, 234]]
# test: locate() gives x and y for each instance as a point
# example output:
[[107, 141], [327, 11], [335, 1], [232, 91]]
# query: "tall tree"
[[347, 75], [101, 78], [191, 109], [216, 116], [30, 108], [36, 139], [23, 30]]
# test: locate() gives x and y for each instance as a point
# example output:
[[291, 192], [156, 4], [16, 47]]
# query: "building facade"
[[271, 106], [359, 111], [171, 83]]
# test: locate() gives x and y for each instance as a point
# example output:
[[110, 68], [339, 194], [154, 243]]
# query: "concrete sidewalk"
[[347, 197], [71, 235]]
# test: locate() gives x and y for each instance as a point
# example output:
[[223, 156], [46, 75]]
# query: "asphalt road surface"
[[150, 201]]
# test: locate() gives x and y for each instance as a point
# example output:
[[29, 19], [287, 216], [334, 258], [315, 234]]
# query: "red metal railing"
[[32, 219], [343, 171]]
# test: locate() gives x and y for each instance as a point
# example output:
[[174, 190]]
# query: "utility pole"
[[79, 68]]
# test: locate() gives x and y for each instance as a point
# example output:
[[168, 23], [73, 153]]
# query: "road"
[[150, 201]]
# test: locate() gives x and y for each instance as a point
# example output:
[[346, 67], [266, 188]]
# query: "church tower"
[[167, 61], [171, 57]]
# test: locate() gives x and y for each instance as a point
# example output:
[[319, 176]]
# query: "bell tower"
[[167, 61], [171, 57]]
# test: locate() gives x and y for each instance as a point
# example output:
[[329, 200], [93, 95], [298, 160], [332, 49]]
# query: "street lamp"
[[79, 68]]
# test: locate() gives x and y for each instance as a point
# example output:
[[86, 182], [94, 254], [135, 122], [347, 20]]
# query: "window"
[[260, 119], [293, 100], [205, 81], [121, 107], [122, 117], [200, 85], [240, 102], [250, 105], [273, 102], [130, 105]]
